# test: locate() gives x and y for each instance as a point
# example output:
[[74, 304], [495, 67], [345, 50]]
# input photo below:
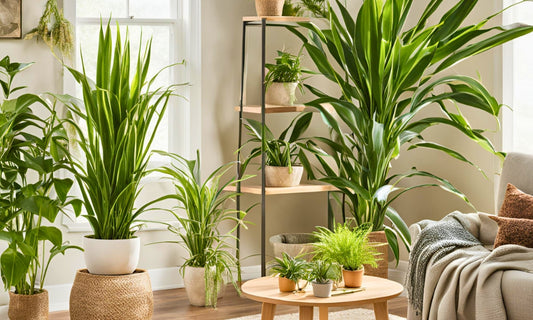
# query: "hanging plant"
[[54, 30]]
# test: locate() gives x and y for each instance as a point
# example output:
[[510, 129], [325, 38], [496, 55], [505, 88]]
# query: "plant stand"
[[101, 297]]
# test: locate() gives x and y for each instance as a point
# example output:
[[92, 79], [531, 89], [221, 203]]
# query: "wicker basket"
[[28, 307], [101, 297], [269, 7], [380, 240]]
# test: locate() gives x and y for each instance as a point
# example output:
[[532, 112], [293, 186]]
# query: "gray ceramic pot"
[[322, 290]]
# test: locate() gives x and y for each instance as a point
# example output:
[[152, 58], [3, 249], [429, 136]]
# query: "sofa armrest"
[[414, 231]]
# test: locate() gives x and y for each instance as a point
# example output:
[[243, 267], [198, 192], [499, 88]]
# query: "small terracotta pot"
[[28, 307], [269, 7], [286, 285], [353, 279]]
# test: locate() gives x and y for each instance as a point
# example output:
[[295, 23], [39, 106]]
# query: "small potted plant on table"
[[349, 247], [322, 274], [282, 154], [290, 271], [283, 78]]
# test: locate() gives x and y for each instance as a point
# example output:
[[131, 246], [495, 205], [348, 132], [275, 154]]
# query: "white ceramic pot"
[[269, 7], [281, 177], [322, 290], [281, 93], [111, 256], [194, 280]]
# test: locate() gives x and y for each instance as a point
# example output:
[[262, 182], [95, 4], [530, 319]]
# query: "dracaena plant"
[[32, 150], [388, 72], [116, 126]]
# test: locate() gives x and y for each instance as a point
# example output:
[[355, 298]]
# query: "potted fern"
[[322, 274], [210, 260], [121, 116], [289, 270], [283, 78], [349, 247], [32, 150], [282, 153]]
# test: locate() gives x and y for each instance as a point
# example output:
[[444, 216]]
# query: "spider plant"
[[292, 268], [346, 246], [121, 112], [286, 69], [388, 74], [322, 271], [199, 233], [32, 150]]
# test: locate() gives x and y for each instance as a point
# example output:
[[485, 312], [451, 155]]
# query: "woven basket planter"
[[28, 307], [269, 7], [379, 239], [100, 297]]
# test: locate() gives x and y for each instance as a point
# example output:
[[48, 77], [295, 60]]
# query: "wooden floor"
[[173, 305]]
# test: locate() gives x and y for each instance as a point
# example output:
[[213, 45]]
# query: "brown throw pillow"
[[513, 231], [516, 204]]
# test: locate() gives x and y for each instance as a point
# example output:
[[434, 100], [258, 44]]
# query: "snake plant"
[[388, 72]]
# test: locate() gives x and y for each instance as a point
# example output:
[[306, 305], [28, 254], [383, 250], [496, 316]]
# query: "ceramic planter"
[[282, 177], [294, 244], [286, 285], [379, 239], [117, 297], [281, 93], [269, 7], [353, 279], [322, 290], [194, 280], [28, 307], [111, 257]]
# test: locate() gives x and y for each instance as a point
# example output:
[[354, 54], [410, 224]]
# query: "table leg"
[[267, 311], [323, 313], [381, 311], [306, 313]]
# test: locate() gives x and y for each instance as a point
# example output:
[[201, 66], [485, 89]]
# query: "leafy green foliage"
[[294, 269], [122, 116], [291, 9], [32, 150], [280, 152], [286, 69], [316, 8], [346, 246], [203, 202], [388, 75], [323, 271]]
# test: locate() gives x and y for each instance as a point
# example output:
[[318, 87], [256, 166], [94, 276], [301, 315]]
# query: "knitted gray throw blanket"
[[436, 240]]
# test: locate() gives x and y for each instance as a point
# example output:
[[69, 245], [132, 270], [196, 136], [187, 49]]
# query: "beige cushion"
[[517, 292], [516, 170]]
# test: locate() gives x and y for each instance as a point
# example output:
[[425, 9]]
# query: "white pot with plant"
[[269, 7], [349, 247], [209, 263], [282, 154], [322, 274], [121, 116], [32, 150], [283, 78], [290, 271]]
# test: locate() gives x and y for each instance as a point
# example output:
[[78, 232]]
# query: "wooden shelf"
[[270, 108], [275, 19], [302, 188]]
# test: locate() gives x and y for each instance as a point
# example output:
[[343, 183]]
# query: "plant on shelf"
[[32, 150], [314, 8], [283, 78], [281, 154], [290, 271], [349, 247], [322, 274], [389, 73], [117, 124], [203, 202]]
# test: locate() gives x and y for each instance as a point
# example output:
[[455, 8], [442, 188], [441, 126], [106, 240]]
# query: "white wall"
[[221, 48]]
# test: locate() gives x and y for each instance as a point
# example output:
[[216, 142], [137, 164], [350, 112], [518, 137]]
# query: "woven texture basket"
[[380, 240], [269, 7], [28, 307], [101, 297]]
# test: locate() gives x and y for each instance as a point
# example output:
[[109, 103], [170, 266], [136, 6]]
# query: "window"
[[518, 83], [173, 26]]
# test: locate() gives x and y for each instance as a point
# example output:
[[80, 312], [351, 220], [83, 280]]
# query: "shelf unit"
[[263, 109]]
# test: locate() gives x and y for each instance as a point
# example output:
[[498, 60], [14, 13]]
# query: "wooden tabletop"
[[266, 289]]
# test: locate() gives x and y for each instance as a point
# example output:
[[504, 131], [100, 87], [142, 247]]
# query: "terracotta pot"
[[281, 93], [286, 285], [281, 177], [28, 307], [322, 290], [353, 279], [111, 257], [269, 7], [379, 239], [194, 280], [293, 244], [100, 297]]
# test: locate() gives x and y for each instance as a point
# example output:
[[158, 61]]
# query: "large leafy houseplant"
[[204, 203], [32, 150], [388, 73]]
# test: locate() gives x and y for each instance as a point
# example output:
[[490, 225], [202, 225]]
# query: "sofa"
[[459, 274]]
